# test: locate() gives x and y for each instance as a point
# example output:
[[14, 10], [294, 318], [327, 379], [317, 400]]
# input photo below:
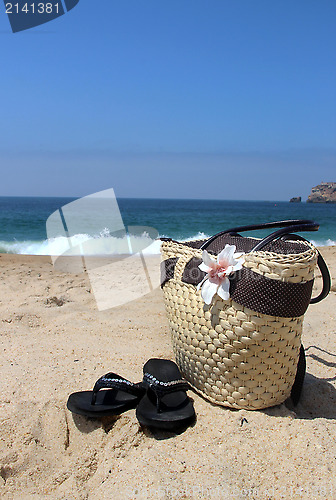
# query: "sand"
[[54, 341]]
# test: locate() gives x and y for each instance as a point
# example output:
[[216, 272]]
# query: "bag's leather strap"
[[326, 280], [288, 226], [299, 377]]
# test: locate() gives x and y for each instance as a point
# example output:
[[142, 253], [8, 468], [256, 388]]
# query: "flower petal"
[[201, 282], [224, 289], [226, 255], [237, 266], [204, 267], [208, 291], [208, 260], [215, 279]]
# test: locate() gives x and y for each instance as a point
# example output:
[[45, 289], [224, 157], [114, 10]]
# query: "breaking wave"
[[104, 244]]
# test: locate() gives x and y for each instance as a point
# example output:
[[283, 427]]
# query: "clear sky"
[[175, 99]]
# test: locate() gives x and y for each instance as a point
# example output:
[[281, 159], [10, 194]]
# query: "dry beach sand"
[[54, 341]]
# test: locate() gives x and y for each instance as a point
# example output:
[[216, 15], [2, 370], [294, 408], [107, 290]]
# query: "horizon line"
[[156, 198]]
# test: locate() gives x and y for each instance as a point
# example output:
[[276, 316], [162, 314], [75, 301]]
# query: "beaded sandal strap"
[[114, 381], [161, 388]]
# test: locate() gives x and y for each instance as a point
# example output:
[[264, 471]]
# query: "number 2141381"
[[33, 8]]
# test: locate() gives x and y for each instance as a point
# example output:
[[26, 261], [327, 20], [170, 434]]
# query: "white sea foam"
[[198, 236], [83, 244], [104, 244], [324, 243]]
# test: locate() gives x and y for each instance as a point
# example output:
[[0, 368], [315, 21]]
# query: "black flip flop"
[[122, 395], [166, 404]]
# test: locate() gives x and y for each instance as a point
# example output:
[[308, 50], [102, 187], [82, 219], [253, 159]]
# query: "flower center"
[[219, 272]]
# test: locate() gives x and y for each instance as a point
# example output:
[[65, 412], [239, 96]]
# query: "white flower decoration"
[[216, 280]]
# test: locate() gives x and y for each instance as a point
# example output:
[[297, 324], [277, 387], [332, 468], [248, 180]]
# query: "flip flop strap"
[[161, 388], [115, 381]]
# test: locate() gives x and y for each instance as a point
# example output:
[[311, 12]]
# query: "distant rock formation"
[[323, 193], [296, 199]]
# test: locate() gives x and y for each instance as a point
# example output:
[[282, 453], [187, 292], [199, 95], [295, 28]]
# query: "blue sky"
[[182, 98]]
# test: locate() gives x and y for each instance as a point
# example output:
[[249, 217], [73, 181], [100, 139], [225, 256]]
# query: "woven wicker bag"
[[243, 352]]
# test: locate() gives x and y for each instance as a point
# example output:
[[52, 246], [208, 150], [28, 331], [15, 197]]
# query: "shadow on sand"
[[318, 398]]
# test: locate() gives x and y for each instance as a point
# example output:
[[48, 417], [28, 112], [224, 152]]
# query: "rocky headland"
[[323, 193]]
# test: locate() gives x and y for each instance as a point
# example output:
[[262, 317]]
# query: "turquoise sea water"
[[23, 220]]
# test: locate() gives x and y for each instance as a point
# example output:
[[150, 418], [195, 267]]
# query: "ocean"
[[23, 220]]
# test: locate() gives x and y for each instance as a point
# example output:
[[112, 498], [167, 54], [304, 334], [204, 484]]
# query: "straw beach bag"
[[243, 352]]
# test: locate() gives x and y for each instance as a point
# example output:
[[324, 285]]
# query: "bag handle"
[[287, 227], [326, 280]]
